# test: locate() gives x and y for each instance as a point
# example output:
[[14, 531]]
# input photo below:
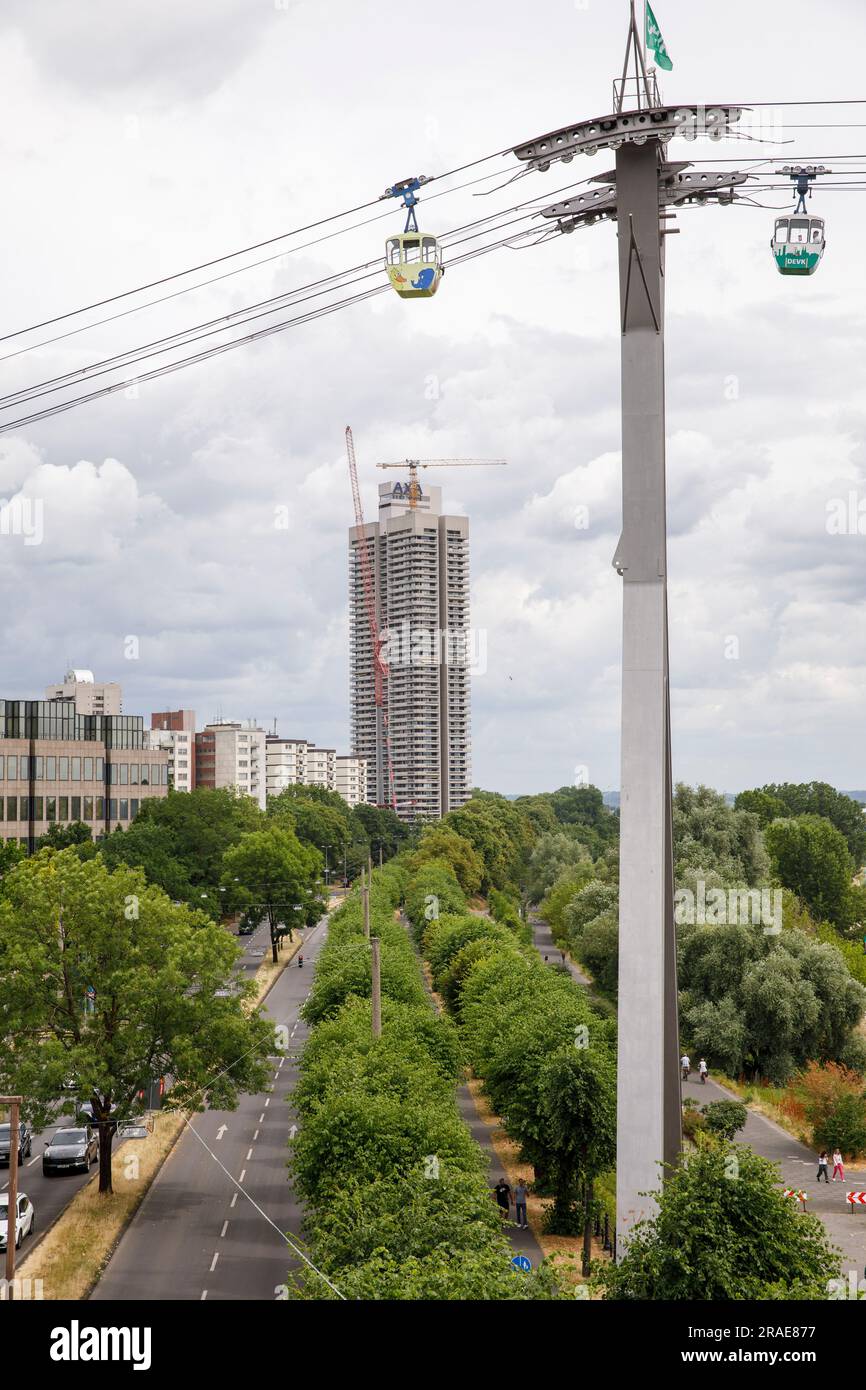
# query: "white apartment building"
[[286, 763], [351, 778], [321, 769], [231, 754], [180, 746], [79, 688], [420, 563]]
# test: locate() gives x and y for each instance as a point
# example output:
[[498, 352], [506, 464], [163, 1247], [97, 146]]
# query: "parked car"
[[25, 1222], [25, 1142], [71, 1150]]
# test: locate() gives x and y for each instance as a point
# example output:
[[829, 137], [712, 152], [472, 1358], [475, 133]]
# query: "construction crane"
[[380, 666], [414, 464]]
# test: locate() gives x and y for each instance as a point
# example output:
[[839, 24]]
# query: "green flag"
[[655, 41]]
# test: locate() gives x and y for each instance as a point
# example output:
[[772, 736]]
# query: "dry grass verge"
[[74, 1251]]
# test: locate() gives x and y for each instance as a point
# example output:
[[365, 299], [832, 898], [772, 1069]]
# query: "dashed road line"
[[213, 1262]]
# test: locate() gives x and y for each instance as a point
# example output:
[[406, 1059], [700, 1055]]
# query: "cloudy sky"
[[143, 137]]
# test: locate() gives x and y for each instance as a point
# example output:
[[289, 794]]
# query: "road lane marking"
[[234, 1199], [249, 1155], [243, 1175], [261, 1118], [255, 1137], [267, 1102], [213, 1262], [224, 1229], [203, 1295]]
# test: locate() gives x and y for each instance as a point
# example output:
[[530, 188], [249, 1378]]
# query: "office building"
[[420, 564], [231, 754], [79, 689], [59, 766]]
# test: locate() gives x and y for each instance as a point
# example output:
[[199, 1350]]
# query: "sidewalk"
[[797, 1163]]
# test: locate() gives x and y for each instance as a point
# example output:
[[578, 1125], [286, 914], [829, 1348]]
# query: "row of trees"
[[396, 1198]]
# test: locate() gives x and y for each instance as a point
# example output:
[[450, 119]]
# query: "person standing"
[[520, 1204], [822, 1165], [503, 1198], [838, 1166]]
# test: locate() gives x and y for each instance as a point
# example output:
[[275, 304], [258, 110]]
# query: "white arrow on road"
[[293, 1131], [221, 1131]]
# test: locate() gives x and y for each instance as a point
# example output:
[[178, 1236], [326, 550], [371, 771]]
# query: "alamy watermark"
[[410, 645], [22, 516], [720, 907]]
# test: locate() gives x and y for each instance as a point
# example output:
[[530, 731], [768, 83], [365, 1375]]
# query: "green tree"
[[761, 804], [717, 1237], [201, 825], [820, 799], [577, 1108], [270, 871], [725, 1117], [438, 842], [710, 834], [59, 836], [810, 856], [103, 979]]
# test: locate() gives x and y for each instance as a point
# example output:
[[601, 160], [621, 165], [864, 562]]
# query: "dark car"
[[247, 925], [71, 1151], [25, 1142]]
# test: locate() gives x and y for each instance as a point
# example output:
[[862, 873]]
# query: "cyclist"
[[685, 1063], [702, 1068]]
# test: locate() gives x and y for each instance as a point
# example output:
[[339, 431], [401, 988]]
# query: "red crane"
[[380, 666]]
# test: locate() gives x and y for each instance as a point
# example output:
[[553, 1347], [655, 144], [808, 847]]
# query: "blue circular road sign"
[[522, 1262]]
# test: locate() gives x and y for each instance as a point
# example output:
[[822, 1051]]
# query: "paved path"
[[798, 1166], [797, 1163]]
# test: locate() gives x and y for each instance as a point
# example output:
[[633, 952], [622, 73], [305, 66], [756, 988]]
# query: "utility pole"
[[643, 193], [365, 898], [14, 1104], [377, 986], [648, 1089]]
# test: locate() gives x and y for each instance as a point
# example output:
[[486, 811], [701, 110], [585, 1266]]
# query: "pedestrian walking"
[[520, 1204], [838, 1166], [822, 1165], [503, 1198]]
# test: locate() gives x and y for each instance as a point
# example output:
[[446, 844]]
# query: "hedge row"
[[542, 1049], [395, 1188]]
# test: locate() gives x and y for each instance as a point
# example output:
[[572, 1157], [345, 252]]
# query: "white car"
[[25, 1223]]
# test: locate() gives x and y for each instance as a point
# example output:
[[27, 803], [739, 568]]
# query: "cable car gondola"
[[413, 259], [799, 240], [798, 244]]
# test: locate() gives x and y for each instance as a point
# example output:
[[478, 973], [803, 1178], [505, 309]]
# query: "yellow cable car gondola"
[[413, 259]]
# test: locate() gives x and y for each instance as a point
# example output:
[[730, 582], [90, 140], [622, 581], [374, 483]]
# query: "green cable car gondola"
[[798, 240], [413, 259], [798, 244]]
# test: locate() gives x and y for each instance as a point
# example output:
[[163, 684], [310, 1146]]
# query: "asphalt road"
[[211, 1226]]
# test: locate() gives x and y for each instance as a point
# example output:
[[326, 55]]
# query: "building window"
[[100, 807], [133, 774], [12, 808], [100, 770], [112, 808], [76, 807], [2, 761], [124, 808], [88, 808], [63, 770], [145, 780], [37, 804], [50, 808], [51, 769], [165, 774], [11, 767], [133, 808], [124, 774], [88, 769], [75, 773], [63, 808]]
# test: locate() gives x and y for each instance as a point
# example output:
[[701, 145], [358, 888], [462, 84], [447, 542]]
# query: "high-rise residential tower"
[[420, 564]]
